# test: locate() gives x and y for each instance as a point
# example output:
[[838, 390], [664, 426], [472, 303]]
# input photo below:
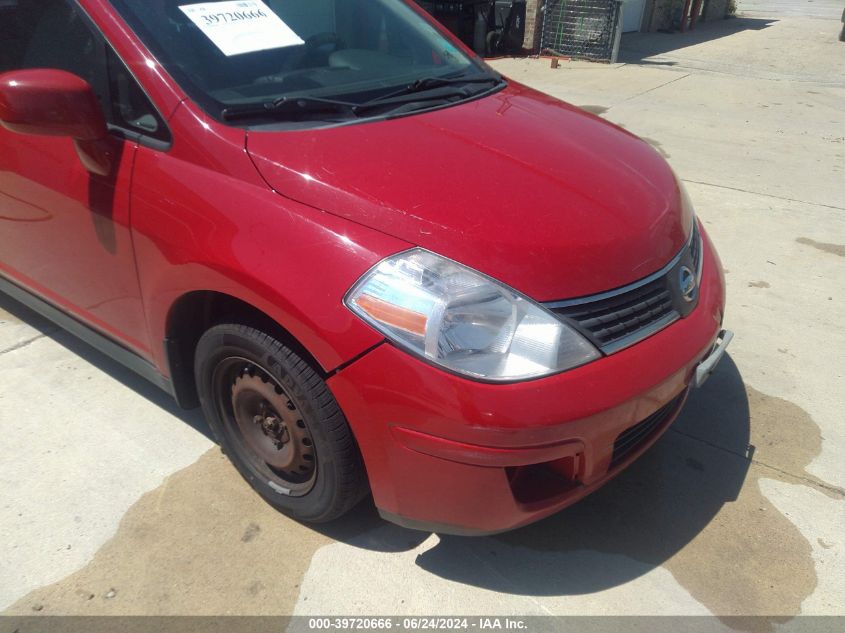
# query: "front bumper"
[[447, 454]]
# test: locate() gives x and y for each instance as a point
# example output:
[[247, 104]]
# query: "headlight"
[[465, 321]]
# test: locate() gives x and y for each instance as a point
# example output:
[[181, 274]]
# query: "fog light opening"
[[541, 482]]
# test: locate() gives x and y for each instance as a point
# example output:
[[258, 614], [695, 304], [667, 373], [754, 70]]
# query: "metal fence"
[[583, 29]]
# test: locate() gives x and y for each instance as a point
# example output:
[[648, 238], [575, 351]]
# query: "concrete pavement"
[[113, 501]]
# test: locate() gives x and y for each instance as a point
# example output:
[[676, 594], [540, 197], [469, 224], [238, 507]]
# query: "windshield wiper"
[[428, 89], [287, 105], [430, 83], [310, 105]]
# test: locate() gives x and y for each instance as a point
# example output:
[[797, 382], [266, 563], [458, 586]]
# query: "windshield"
[[249, 56]]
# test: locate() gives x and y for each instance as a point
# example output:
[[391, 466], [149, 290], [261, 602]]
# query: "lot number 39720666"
[[236, 16]]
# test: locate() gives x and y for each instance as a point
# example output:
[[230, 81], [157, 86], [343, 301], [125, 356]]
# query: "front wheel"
[[276, 419]]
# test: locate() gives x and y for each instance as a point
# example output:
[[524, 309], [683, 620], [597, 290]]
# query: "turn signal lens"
[[392, 315]]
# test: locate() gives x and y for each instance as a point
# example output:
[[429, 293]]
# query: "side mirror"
[[58, 103]]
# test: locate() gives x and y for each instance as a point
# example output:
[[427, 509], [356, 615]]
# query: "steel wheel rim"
[[267, 426]]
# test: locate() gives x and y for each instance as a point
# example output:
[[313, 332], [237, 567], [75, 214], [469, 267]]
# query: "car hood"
[[553, 201]]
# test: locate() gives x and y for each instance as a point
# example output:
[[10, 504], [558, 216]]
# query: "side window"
[[130, 108], [10, 35], [52, 34], [56, 34]]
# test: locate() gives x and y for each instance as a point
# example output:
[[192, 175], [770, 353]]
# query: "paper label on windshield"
[[241, 26]]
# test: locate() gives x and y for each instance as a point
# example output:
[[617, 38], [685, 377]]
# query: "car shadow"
[[646, 515], [637, 48], [635, 523]]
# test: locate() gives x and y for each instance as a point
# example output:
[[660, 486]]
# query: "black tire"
[[279, 424]]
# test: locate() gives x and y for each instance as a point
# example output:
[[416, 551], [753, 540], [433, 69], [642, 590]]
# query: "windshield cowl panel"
[[297, 113], [239, 60]]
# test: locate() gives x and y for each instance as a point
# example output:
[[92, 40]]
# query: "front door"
[[64, 232]]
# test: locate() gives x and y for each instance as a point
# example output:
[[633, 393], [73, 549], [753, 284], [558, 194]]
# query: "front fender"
[[196, 229]]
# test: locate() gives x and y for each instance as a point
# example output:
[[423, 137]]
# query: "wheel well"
[[192, 315]]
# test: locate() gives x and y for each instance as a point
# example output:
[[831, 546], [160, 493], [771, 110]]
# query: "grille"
[[615, 320], [584, 29], [633, 437]]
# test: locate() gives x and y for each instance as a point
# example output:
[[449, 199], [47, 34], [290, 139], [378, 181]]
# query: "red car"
[[374, 262]]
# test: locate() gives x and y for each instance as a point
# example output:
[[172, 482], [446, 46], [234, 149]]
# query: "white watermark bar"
[[412, 623]]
